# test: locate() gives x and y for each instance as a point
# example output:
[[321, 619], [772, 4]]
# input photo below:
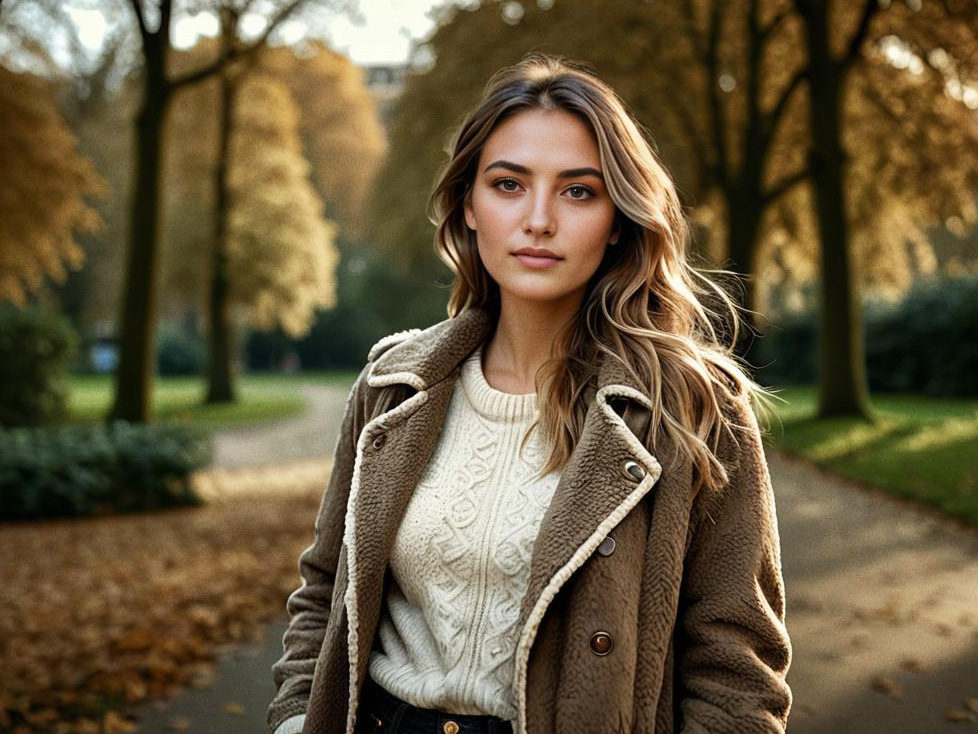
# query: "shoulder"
[[385, 343], [362, 400]]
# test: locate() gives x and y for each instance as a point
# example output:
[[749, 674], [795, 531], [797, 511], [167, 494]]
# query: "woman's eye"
[[503, 182], [511, 186], [580, 189]]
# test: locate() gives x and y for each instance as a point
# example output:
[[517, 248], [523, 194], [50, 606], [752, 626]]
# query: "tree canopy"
[[43, 200]]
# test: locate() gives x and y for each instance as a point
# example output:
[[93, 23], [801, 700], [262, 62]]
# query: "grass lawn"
[[262, 397], [920, 447]]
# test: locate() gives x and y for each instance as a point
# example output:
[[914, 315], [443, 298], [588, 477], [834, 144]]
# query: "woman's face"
[[538, 185]]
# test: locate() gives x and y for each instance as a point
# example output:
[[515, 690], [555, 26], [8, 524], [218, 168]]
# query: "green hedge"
[[36, 349], [92, 470], [179, 352], [928, 342]]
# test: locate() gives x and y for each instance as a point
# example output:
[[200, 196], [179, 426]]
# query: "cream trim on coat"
[[653, 472], [350, 597]]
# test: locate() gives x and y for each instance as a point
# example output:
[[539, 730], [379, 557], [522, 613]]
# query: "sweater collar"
[[489, 402]]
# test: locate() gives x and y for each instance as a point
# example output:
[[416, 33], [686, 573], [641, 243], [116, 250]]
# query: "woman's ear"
[[467, 208]]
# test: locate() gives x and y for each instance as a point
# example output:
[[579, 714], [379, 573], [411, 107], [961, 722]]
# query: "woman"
[[604, 559]]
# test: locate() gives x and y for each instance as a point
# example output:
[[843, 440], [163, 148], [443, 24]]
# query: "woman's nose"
[[540, 218]]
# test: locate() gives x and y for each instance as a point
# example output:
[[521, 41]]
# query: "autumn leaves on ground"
[[101, 613]]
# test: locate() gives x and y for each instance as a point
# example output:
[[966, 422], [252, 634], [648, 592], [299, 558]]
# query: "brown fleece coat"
[[692, 595]]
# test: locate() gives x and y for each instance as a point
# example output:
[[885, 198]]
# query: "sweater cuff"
[[292, 725]]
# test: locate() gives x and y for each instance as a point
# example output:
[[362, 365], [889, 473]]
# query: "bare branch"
[[235, 52], [691, 30], [717, 117], [768, 30], [870, 9], [770, 120], [138, 10], [784, 186]]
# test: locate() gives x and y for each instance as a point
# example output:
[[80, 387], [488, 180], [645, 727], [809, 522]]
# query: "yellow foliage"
[[282, 252], [45, 181], [304, 146]]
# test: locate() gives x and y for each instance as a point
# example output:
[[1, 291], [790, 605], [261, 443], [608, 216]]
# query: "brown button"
[[380, 440], [450, 727], [601, 643], [607, 546]]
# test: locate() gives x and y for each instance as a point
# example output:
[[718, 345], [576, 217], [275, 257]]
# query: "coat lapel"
[[597, 488], [594, 493]]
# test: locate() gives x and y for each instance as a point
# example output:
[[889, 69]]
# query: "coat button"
[[607, 546], [449, 727], [380, 440], [601, 643], [634, 470]]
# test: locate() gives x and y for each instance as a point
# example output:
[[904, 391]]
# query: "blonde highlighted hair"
[[646, 304]]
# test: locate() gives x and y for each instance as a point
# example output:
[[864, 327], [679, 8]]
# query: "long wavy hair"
[[645, 305]]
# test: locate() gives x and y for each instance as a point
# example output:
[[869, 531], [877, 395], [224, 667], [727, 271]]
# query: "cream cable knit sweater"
[[461, 557]]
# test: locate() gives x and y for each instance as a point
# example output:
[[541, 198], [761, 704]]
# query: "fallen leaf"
[[233, 708], [885, 684], [135, 607], [115, 723], [972, 703], [180, 723], [913, 665], [955, 715]]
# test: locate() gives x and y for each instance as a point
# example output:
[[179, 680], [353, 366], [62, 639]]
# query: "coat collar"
[[428, 356]]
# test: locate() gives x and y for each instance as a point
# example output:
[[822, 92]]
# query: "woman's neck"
[[522, 341]]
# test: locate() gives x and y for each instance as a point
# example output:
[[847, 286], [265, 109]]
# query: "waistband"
[[393, 710]]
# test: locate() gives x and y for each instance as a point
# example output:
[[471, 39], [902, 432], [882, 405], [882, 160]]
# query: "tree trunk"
[[744, 217], [138, 311], [220, 378], [843, 388]]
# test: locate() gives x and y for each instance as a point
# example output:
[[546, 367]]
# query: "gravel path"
[[882, 603], [309, 435], [882, 608]]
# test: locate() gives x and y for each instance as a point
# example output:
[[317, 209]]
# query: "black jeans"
[[381, 712]]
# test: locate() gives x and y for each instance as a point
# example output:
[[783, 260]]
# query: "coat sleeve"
[[309, 605], [735, 654]]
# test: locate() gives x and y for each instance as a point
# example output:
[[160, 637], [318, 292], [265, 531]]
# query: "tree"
[[138, 310], [277, 262], [281, 250], [46, 180], [843, 388]]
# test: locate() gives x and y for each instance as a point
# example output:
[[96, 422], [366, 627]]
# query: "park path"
[[882, 603], [312, 434]]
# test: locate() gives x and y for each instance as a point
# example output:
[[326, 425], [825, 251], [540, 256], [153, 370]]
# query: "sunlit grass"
[[261, 398], [920, 447]]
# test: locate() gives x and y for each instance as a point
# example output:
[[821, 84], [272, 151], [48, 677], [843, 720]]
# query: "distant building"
[[386, 83]]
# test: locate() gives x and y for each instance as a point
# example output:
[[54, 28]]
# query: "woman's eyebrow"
[[569, 173]]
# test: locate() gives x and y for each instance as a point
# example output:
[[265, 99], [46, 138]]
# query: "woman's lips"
[[533, 261]]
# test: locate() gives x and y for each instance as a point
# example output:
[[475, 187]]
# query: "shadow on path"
[[236, 702]]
